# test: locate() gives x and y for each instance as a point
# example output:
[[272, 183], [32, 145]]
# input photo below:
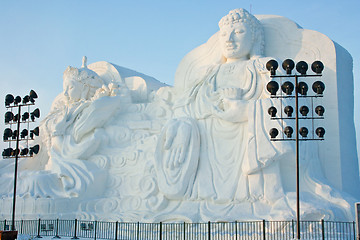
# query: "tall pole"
[[297, 159], [318, 88], [16, 166]]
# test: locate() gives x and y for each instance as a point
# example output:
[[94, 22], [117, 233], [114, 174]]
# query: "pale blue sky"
[[39, 39]]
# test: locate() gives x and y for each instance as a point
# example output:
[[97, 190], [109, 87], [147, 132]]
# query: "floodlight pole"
[[297, 159], [297, 140], [11, 103], [17, 151]]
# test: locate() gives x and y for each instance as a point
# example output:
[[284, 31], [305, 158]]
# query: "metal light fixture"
[[288, 131], [272, 111], [26, 99], [273, 132], [35, 132], [7, 134], [24, 151], [318, 87], [33, 96], [287, 87], [24, 133], [303, 88], [9, 99], [9, 117], [317, 67], [302, 67], [272, 87], [7, 152], [320, 131], [271, 66], [17, 100], [34, 150], [303, 131], [16, 117], [15, 133], [25, 116], [320, 110], [304, 110], [288, 110], [288, 65], [15, 152], [35, 114]]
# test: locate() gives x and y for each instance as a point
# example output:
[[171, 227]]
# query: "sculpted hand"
[[232, 110], [230, 93], [106, 90], [177, 138], [177, 156]]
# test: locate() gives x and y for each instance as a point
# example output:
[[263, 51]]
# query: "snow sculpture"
[[119, 145], [219, 99]]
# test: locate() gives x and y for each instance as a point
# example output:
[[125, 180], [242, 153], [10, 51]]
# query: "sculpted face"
[[73, 90], [236, 41]]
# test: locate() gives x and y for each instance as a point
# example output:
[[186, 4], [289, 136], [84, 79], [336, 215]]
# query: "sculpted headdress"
[[85, 76]]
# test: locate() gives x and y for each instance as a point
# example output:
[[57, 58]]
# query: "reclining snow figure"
[[119, 145]]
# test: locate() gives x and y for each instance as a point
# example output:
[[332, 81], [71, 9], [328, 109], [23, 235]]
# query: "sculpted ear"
[[259, 46]]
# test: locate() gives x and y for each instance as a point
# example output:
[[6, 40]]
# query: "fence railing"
[[254, 230]]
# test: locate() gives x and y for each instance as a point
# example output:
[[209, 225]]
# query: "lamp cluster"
[[288, 87], [10, 99], [9, 134], [9, 152], [303, 131], [295, 89], [16, 135], [11, 118], [288, 65]]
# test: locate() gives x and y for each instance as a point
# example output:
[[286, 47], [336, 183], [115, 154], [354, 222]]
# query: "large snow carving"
[[119, 145]]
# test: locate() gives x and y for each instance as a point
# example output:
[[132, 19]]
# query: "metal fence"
[[254, 230]]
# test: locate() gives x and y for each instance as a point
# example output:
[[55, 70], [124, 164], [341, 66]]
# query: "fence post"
[[75, 230], [236, 232], [264, 229], [21, 226], [209, 230], [116, 230], [293, 228], [323, 229], [57, 229], [95, 223], [354, 230], [160, 237], [138, 231], [184, 230], [38, 236]]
